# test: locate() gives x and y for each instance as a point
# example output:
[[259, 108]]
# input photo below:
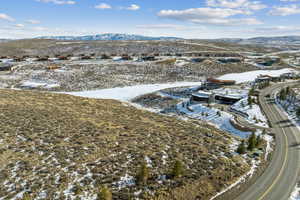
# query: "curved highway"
[[281, 176]]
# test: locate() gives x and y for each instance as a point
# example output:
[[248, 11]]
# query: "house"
[[212, 83], [198, 60], [288, 75], [126, 57], [229, 60], [105, 57], [86, 58], [227, 98], [208, 54], [262, 79], [6, 67], [220, 82], [62, 58], [268, 61], [117, 59], [42, 59], [148, 58], [267, 78], [53, 67], [18, 59], [201, 96]]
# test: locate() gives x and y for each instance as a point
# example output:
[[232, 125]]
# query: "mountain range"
[[281, 40], [108, 37]]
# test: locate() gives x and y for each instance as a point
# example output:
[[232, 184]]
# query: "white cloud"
[[133, 7], [240, 4], [58, 2], [162, 26], [103, 6], [32, 21], [6, 17], [285, 10], [214, 16], [20, 25]]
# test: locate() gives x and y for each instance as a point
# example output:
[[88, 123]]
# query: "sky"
[[203, 19]]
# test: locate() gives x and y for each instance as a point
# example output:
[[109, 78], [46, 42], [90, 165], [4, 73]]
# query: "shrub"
[[241, 148], [298, 112], [105, 194], [251, 142], [178, 169], [258, 141], [143, 174]]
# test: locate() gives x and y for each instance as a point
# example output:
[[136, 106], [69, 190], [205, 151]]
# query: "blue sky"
[[184, 18]]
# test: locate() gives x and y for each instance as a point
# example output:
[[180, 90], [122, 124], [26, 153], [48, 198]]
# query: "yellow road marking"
[[282, 168]]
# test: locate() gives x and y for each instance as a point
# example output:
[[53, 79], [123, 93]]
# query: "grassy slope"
[[52, 142]]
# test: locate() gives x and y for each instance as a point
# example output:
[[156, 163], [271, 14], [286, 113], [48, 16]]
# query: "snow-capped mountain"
[[108, 37]]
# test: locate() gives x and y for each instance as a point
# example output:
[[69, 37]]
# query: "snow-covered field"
[[39, 84], [214, 116], [295, 194], [252, 75], [253, 113], [130, 92]]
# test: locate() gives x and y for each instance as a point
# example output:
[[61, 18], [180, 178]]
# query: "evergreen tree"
[[298, 112], [258, 141], [282, 95], [250, 101], [143, 174], [178, 169], [287, 91], [241, 148], [26, 196], [251, 142], [252, 91], [105, 194]]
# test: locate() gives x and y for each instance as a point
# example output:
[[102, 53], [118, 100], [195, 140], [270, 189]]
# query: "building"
[[289, 75], [227, 98], [212, 83], [148, 58], [267, 78], [268, 61], [208, 54], [230, 60], [198, 60], [201, 96], [6, 67]]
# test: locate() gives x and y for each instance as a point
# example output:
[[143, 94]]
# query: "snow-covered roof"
[[202, 94]]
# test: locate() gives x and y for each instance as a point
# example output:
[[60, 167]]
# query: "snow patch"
[[252, 75], [216, 117], [130, 92]]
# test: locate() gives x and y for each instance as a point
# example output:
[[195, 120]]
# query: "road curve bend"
[[281, 176]]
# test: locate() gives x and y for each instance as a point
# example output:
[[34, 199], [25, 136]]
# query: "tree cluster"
[[253, 142]]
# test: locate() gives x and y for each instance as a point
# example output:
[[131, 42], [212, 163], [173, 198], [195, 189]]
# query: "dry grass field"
[[43, 47], [55, 146]]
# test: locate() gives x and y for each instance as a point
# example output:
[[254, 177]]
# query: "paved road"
[[280, 178]]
